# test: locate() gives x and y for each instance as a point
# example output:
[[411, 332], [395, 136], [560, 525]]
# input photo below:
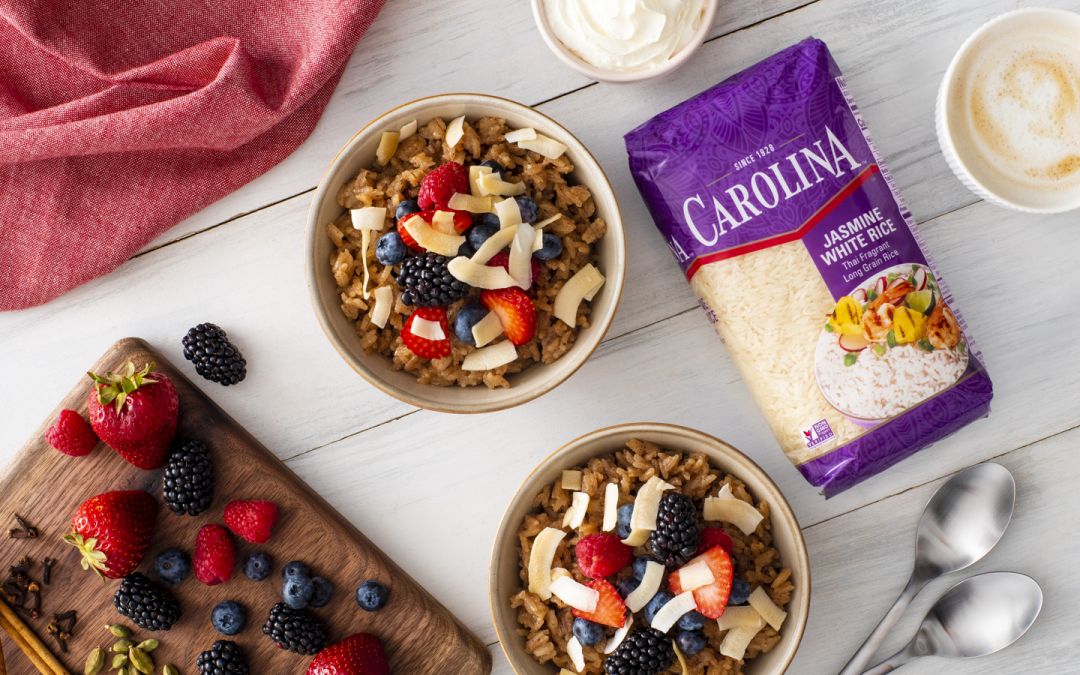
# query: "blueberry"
[[391, 249], [552, 247], [229, 617], [587, 632], [692, 620], [690, 642], [297, 592], [324, 588], [494, 166], [659, 600], [740, 592], [482, 231], [173, 565], [372, 595], [257, 566], [467, 317], [528, 209], [622, 527], [295, 569], [626, 586], [640, 564], [466, 250], [405, 208]]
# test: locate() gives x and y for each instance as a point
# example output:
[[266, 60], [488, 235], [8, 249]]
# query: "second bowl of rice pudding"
[[410, 189]]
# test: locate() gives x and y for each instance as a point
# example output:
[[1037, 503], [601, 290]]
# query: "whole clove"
[[46, 569], [24, 530]]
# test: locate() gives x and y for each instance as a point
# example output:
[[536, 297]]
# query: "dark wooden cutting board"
[[46, 487]]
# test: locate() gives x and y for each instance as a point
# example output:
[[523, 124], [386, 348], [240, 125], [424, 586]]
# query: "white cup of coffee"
[[1008, 111]]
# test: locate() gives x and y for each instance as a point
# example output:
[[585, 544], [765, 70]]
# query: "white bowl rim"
[[622, 76], [944, 132], [515, 395], [629, 429]]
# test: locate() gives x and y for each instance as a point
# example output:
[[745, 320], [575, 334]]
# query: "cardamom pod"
[[141, 660], [95, 661], [119, 661], [169, 669], [122, 671], [121, 645], [148, 645], [119, 631]]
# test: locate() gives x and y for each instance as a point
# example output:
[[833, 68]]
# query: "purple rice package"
[[787, 225]]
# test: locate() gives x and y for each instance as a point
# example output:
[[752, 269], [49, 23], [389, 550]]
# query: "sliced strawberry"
[[610, 608], [406, 237], [502, 259], [601, 555], [423, 347], [462, 220], [711, 599], [515, 310], [440, 184], [715, 536]]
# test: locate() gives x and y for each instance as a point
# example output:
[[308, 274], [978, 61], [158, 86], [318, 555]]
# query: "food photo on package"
[[785, 221]]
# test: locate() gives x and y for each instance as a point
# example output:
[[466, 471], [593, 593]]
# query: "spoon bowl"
[[977, 617], [961, 523]]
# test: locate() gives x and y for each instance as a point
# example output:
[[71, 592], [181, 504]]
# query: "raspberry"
[[601, 555], [251, 520], [440, 185], [214, 555], [71, 434]]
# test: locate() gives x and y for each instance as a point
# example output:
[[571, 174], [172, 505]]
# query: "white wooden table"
[[430, 488]]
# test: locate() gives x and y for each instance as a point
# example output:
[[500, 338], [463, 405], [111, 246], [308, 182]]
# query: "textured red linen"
[[118, 118]]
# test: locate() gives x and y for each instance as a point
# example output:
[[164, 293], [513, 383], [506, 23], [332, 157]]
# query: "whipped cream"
[[624, 35]]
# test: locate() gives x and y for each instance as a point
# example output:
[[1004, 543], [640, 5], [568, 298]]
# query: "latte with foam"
[[1014, 109]]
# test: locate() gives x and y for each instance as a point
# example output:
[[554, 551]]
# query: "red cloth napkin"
[[120, 118]]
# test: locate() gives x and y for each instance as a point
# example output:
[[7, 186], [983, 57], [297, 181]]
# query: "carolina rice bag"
[[785, 222]]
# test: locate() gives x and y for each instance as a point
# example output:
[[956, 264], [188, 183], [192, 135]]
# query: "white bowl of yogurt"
[[624, 40]]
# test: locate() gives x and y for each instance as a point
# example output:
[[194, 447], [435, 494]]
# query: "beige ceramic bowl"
[[504, 580], [376, 368], [567, 56]]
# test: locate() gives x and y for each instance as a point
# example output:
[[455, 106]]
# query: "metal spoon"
[[976, 617], [962, 522]]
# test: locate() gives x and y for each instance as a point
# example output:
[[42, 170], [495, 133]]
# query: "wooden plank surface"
[[46, 487], [1013, 275]]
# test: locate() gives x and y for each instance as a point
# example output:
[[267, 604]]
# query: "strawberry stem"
[[115, 387], [92, 559]]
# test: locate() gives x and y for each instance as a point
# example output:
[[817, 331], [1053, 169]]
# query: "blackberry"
[[643, 652], [215, 358], [187, 483], [224, 658], [426, 282], [296, 630], [675, 539], [150, 606]]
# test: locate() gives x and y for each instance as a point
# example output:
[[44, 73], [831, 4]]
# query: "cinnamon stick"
[[28, 642]]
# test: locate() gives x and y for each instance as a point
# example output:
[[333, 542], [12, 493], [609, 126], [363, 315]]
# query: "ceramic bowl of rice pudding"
[[649, 548], [465, 253]]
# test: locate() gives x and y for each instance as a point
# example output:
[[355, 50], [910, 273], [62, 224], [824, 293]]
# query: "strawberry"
[[610, 608], [423, 347], [502, 259], [515, 310], [358, 654], [135, 414], [71, 435], [112, 531], [462, 222], [715, 536], [251, 519], [440, 185], [214, 555], [408, 238], [601, 555], [711, 599]]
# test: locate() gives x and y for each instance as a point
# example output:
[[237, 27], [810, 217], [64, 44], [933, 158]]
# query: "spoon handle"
[[890, 664], [863, 656]]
